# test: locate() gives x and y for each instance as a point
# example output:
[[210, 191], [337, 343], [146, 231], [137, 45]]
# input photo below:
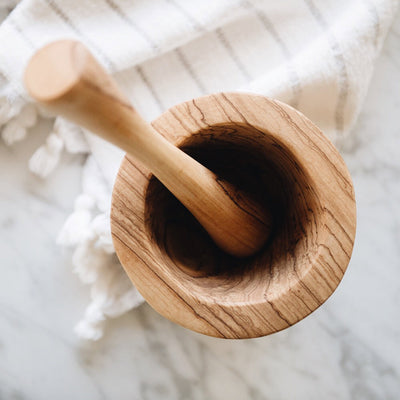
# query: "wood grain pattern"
[[272, 151], [64, 77]]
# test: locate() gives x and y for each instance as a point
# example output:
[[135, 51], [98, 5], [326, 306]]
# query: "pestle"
[[66, 79]]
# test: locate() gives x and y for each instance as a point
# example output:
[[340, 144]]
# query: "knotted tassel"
[[46, 157], [72, 136], [5, 111], [77, 227], [15, 128], [91, 327]]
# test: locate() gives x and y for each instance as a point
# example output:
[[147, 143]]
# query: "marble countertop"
[[347, 349]]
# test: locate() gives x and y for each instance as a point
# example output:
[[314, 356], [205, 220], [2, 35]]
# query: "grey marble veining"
[[347, 349]]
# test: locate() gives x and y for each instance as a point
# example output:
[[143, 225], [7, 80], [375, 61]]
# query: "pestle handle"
[[65, 78]]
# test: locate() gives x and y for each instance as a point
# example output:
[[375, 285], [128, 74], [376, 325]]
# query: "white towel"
[[316, 55]]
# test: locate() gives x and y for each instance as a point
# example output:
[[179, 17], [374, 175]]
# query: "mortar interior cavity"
[[260, 165]]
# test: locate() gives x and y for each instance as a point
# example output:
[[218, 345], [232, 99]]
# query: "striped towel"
[[316, 55]]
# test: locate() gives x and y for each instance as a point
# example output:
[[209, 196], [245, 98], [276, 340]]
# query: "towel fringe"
[[46, 157], [16, 127], [95, 263], [17, 117]]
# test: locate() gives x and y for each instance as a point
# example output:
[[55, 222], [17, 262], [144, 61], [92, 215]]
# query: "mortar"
[[274, 152]]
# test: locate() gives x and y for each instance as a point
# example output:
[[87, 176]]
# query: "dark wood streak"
[[325, 209], [304, 286], [233, 106], [333, 258], [129, 184], [184, 126], [337, 240], [261, 317], [246, 210], [277, 312], [224, 323], [130, 162], [307, 289], [232, 317], [136, 215], [329, 269], [256, 128], [192, 117], [203, 118]]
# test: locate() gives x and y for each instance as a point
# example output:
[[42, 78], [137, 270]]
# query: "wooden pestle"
[[65, 78]]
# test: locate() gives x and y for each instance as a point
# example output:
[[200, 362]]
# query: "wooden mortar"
[[268, 149]]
